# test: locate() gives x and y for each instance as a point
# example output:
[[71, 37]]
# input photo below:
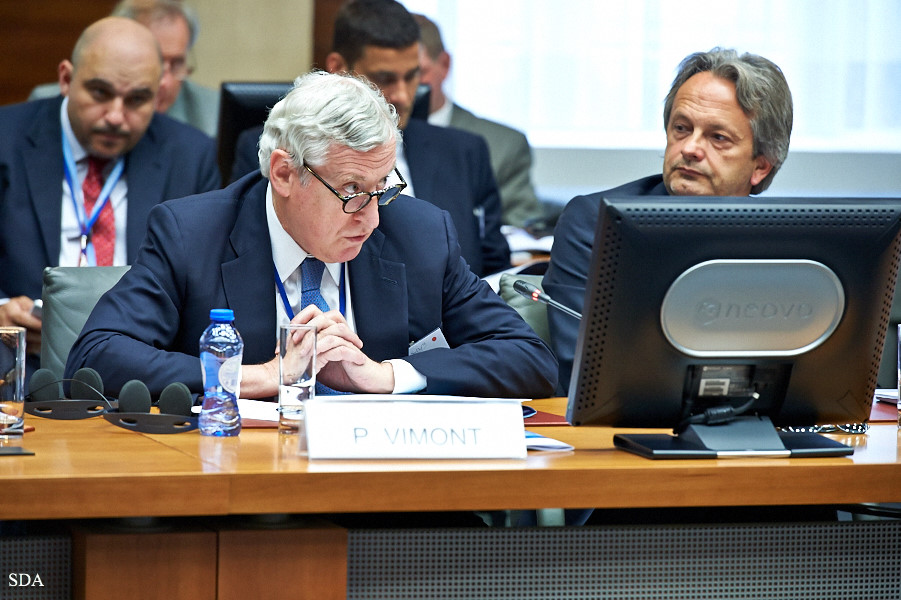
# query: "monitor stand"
[[743, 437]]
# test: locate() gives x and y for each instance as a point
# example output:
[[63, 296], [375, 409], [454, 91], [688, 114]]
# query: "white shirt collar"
[[404, 168], [442, 116], [286, 253], [78, 152]]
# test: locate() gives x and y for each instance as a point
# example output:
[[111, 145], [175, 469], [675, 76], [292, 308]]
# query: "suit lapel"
[[417, 153], [146, 175], [247, 277], [459, 117], [45, 173], [378, 290]]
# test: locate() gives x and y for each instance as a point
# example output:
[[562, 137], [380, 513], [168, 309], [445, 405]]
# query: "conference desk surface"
[[92, 469]]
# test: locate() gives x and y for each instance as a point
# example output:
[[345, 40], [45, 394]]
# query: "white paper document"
[[521, 240], [536, 441], [887, 395], [257, 409]]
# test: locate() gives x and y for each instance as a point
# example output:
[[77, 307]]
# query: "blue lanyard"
[[86, 222], [342, 301]]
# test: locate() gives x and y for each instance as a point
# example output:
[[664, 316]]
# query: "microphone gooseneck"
[[534, 293]]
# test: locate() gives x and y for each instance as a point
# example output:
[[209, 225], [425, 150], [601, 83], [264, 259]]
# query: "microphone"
[[534, 293], [134, 397], [176, 399]]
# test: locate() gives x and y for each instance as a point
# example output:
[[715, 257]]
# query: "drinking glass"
[[297, 376], [12, 378]]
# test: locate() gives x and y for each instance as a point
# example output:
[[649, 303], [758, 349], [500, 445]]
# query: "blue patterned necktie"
[[311, 270]]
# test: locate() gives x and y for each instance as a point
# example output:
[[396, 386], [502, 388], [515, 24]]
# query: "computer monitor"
[[242, 105], [764, 312]]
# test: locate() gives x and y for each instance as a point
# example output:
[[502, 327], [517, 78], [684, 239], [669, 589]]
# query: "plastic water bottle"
[[221, 351]]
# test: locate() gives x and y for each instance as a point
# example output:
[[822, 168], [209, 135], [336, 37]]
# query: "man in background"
[[80, 172], [728, 120], [175, 26], [511, 156]]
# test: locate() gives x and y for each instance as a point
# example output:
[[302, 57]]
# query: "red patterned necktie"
[[103, 233]]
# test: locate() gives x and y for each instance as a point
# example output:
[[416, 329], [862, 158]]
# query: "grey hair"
[[762, 93], [151, 11], [323, 110]]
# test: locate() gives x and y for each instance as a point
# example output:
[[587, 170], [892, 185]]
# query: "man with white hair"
[[328, 199]]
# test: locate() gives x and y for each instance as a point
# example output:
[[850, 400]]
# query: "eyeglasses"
[[357, 202], [178, 67]]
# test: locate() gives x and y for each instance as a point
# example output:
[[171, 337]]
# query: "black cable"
[[100, 394], [717, 415]]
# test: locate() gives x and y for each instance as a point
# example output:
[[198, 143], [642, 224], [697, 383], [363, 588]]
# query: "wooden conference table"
[[91, 469]]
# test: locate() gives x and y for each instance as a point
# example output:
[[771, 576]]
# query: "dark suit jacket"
[[213, 251], [171, 160], [567, 274], [452, 170]]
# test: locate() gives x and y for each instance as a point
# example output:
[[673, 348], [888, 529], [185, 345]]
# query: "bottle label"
[[230, 375]]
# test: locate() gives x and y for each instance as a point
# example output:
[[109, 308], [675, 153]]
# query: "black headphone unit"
[[130, 411]]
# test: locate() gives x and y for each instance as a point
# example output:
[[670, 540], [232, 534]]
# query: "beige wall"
[[256, 40]]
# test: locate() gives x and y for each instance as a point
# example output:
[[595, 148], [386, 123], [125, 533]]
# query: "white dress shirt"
[[442, 116], [70, 233], [404, 169]]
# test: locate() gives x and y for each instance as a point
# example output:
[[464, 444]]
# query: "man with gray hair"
[[327, 200], [728, 120], [511, 155]]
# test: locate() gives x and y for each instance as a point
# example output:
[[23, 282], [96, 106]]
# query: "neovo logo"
[[765, 307], [710, 311]]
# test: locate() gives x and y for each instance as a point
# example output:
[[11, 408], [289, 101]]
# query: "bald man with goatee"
[[79, 173]]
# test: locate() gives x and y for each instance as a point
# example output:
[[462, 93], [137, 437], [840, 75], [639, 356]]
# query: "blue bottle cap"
[[222, 315]]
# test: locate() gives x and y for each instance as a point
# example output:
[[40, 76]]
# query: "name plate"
[[410, 426]]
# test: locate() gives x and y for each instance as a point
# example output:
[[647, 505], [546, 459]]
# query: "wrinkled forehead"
[[122, 65], [376, 163]]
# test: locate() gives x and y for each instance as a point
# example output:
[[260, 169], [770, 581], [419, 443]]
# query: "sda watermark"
[[24, 580]]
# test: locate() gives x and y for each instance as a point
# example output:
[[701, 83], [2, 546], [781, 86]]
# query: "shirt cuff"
[[407, 380]]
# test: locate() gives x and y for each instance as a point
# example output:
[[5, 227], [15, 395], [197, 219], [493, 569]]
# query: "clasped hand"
[[341, 363]]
